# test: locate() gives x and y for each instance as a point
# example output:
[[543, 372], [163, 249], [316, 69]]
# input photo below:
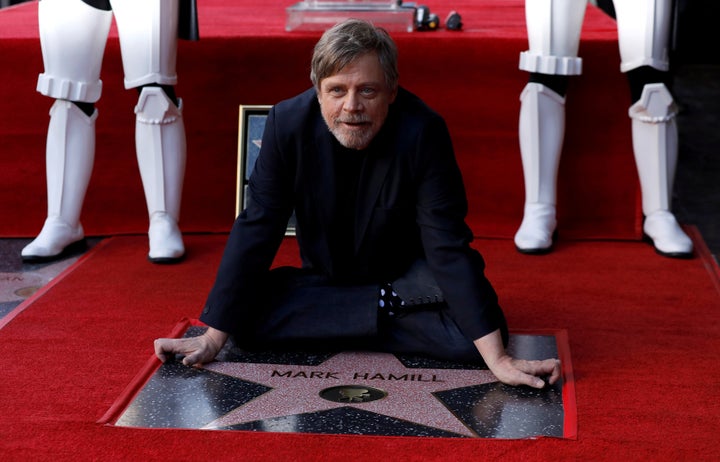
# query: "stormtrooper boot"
[[161, 150], [654, 133], [70, 154], [541, 132]]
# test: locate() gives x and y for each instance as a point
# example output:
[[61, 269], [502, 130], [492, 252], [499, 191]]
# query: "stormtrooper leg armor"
[[643, 33], [148, 41], [554, 36], [72, 37], [70, 155], [654, 134], [542, 128], [161, 152]]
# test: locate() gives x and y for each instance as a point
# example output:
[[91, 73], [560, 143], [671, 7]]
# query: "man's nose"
[[353, 102]]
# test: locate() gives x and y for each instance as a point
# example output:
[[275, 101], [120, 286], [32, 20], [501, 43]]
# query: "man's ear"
[[393, 95]]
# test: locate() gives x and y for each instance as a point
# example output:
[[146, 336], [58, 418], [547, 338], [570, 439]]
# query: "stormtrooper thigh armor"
[[148, 40]]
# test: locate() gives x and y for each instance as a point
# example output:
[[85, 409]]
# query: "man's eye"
[[367, 91]]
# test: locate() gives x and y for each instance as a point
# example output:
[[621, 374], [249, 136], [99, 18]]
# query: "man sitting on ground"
[[370, 172]]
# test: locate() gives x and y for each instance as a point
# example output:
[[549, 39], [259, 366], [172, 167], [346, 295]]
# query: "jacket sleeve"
[[254, 238], [441, 210]]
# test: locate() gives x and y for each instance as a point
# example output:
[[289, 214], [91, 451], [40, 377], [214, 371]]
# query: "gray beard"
[[353, 141]]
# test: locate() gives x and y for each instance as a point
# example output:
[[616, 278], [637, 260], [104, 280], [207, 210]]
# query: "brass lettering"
[[356, 376], [305, 375]]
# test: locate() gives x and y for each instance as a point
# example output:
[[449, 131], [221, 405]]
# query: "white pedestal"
[[319, 15]]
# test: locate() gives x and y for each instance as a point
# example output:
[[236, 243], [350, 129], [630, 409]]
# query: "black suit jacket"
[[411, 204]]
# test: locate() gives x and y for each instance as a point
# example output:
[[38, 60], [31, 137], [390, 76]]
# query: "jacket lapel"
[[372, 177], [322, 181]]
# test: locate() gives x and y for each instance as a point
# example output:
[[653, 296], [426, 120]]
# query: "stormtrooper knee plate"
[[161, 151], [69, 157], [654, 134]]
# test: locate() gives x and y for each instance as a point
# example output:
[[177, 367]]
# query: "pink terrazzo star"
[[296, 389]]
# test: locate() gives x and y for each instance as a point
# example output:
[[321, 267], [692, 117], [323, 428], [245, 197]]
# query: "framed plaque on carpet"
[[251, 126]]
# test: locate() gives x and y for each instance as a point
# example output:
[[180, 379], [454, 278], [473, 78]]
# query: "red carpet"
[[644, 331], [644, 335], [245, 57]]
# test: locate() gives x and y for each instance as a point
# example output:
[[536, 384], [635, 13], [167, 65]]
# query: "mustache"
[[352, 120]]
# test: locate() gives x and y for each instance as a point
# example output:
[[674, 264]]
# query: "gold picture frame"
[[251, 125]]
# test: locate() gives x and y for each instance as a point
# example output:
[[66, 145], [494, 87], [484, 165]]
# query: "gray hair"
[[348, 40]]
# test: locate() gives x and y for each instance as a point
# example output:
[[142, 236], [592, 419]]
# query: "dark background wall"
[[10, 2], [694, 30], [697, 32]]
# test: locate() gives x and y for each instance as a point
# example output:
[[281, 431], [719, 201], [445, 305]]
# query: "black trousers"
[[304, 310]]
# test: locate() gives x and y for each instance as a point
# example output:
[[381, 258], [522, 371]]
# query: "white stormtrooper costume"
[[554, 35], [73, 34]]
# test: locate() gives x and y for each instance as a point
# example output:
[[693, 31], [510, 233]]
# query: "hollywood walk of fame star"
[[296, 389]]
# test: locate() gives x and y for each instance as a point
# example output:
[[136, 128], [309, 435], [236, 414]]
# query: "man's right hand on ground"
[[196, 350]]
